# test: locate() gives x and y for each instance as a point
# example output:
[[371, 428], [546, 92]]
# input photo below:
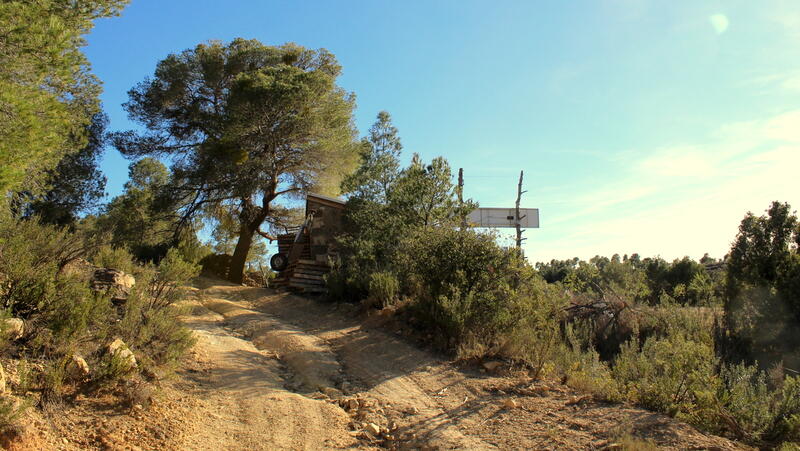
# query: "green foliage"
[[581, 365], [383, 289], [665, 374], [216, 264], [172, 275], [118, 258], [535, 337], [380, 164], [75, 186], [424, 195], [459, 281], [10, 410], [64, 316], [31, 256], [643, 281], [142, 218], [111, 369], [762, 299], [245, 124], [47, 93]]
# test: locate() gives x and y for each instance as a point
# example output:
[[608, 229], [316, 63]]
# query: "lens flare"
[[719, 22]]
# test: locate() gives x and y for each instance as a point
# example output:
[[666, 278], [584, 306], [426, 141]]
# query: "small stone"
[[350, 405], [120, 349], [77, 368], [332, 393], [577, 400], [492, 365], [14, 328], [373, 429], [64, 440], [510, 404]]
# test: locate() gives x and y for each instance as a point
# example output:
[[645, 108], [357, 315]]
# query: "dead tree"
[[516, 216]]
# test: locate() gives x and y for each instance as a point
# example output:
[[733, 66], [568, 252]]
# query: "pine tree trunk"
[[236, 270]]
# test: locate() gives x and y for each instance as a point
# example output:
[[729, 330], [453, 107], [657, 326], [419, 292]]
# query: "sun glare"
[[719, 22]]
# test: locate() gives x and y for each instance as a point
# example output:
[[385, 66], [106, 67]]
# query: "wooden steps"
[[303, 275]]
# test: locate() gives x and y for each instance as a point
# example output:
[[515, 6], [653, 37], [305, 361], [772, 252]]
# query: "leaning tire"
[[279, 262]]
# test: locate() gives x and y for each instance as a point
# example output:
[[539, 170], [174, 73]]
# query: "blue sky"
[[642, 126]]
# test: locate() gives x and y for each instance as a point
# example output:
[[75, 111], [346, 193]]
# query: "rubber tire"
[[278, 262]]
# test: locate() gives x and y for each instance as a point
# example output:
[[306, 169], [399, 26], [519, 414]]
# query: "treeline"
[[650, 280]]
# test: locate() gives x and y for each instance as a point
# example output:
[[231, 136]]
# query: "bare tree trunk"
[[518, 226], [461, 199], [236, 270], [516, 217]]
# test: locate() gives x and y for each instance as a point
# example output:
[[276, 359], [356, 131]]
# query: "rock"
[[373, 429], [510, 404], [492, 366], [349, 405], [332, 393], [577, 400], [14, 328], [119, 349], [113, 281], [77, 368]]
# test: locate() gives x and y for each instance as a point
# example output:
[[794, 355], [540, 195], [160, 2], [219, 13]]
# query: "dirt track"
[[274, 369]]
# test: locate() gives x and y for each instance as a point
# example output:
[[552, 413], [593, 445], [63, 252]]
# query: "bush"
[[63, 316], [460, 283], [150, 323], [10, 411], [581, 365], [216, 265], [666, 374], [383, 289], [115, 258], [535, 335]]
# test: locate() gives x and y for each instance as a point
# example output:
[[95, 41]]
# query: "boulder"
[[77, 368], [113, 281], [14, 328], [119, 349]]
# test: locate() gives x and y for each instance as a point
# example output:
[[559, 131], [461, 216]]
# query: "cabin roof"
[[331, 201]]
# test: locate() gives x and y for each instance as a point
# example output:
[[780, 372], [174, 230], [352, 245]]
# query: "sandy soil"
[[275, 371]]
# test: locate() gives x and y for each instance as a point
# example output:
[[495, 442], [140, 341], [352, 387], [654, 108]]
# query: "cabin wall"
[[326, 225]]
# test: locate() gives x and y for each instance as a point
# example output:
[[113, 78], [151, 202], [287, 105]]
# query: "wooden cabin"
[[305, 251]]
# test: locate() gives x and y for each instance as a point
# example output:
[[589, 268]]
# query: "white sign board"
[[504, 217]]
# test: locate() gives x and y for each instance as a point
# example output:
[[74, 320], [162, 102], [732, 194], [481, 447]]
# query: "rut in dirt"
[[337, 360], [288, 372]]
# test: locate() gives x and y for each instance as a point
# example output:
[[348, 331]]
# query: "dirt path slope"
[[273, 371], [245, 405], [418, 400]]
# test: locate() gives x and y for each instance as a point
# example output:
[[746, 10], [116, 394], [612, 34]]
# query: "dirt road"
[[277, 371], [273, 371]]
